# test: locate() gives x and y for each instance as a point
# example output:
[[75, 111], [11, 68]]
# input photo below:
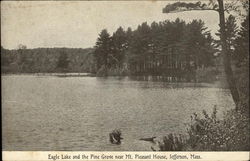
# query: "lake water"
[[77, 113]]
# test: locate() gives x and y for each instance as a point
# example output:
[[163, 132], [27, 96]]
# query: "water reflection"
[[77, 113]]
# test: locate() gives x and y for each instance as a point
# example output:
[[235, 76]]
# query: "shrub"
[[211, 134], [172, 142], [208, 133], [242, 82]]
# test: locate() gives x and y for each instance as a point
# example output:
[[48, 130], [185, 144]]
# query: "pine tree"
[[119, 42], [102, 49], [197, 43], [231, 31], [241, 53]]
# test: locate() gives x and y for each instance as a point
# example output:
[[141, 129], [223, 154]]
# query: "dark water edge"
[[52, 74], [169, 80]]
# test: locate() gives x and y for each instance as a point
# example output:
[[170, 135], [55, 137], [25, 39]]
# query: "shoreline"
[[215, 84], [51, 74]]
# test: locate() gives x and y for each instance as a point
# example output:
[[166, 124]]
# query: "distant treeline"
[[46, 60]]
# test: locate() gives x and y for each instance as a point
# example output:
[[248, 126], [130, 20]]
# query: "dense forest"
[[46, 60], [161, 48], [169, 48]]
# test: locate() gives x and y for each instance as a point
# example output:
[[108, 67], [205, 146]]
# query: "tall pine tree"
[[102, 49]]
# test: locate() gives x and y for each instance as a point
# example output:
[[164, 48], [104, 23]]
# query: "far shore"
[[53, 74]]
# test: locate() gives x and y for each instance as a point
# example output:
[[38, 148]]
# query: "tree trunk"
[[226, 57]]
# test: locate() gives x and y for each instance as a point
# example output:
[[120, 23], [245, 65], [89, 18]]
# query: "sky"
[[76, 24]]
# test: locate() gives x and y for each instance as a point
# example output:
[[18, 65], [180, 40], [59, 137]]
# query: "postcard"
[[125, 80]]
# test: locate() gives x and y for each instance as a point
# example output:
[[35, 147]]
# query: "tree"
[[63, 61], [231, 30], [129, 38], [140, 45], [119, 45], [102, 49], [142, 39], [22, 56], [197, 43], [218, 7], [241, 53], [5, 60]]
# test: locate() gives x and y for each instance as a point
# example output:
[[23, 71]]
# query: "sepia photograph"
[[147, 76]]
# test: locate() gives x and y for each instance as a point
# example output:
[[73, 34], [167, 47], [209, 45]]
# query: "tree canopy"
[[191, 41]]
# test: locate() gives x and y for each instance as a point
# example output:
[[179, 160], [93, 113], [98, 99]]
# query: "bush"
[[242, 82], [208, 133], [211, 134], [172, 142]]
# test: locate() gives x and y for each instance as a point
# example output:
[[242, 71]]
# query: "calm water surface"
[[77, 113]]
